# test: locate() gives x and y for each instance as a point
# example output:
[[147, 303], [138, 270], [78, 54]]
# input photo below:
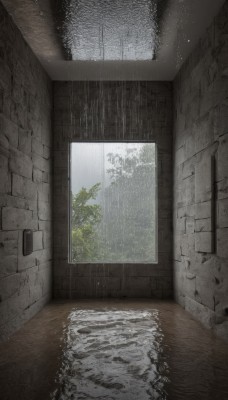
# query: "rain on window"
[[113, 194]]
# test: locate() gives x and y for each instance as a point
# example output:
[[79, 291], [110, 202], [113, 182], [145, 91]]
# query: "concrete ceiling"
[[112, 40]]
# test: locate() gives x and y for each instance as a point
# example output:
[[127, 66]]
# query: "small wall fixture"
[[27, 242]]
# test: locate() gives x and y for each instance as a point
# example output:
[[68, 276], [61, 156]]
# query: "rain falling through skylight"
[[111, 30]]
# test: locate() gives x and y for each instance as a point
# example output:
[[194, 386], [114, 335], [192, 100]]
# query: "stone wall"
[[112, 111], [201, 179], [25, 179]]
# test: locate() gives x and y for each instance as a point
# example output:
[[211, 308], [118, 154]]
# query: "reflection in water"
[[113, 355]]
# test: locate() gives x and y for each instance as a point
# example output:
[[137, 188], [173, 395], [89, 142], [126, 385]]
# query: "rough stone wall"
[[25, 179], [201, 179], [114, 111]]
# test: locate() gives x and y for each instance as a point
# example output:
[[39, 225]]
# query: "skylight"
[[111, 30]]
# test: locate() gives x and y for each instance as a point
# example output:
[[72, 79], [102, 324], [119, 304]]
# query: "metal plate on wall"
[[27, 242]]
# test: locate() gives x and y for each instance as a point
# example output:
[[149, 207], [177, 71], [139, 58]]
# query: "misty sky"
[[89, 162]]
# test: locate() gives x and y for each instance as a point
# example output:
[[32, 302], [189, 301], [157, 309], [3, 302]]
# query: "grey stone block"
[[223, 213], [9, 130], [180, 225], [46, 138], [190, 147], [187, 211], [179, 277], [23, 187], [204, 132], [177, 248], [188, 168], [200, 312], [190, 225], [8, 265], [37, 147], [26, 262], [5, 177], [15, 218], [4, 144], [204, 242], [47, 152], [37, 175], [203, 225], [222, 240], [40, 163], [203, 179], [9, 286], [205, 292], [25, 141], [20, 164], [43, 255], [47, 239], [203, 210], [189, 191], [46, 177], [189, 285], [222, 189], [13, 307], [44, 192], [19, 202], [45, 225], [220, 120], [222, 162], [5, 75], [44, 210], [8, 253], [187, 244]]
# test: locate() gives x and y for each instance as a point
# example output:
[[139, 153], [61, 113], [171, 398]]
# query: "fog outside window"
[[113, 211]]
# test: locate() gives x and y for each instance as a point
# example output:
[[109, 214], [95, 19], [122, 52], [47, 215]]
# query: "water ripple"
[[113, 354]]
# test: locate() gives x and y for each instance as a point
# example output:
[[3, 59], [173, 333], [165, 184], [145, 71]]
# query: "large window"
[[113, 191]]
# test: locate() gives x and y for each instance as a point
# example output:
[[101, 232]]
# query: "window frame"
[[70, 261]]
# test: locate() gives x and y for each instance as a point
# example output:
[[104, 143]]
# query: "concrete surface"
[[25, 179], [201, 179]]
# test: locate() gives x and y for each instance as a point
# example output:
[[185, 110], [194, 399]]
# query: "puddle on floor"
[[113, 349], [113, 355]]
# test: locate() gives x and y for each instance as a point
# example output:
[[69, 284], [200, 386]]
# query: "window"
[[113, 192]]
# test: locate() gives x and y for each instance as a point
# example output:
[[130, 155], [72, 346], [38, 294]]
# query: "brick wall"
[[114, 111], [25, 178], [201, 179]]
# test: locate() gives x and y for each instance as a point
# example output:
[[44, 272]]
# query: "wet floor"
[[113, 350]]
